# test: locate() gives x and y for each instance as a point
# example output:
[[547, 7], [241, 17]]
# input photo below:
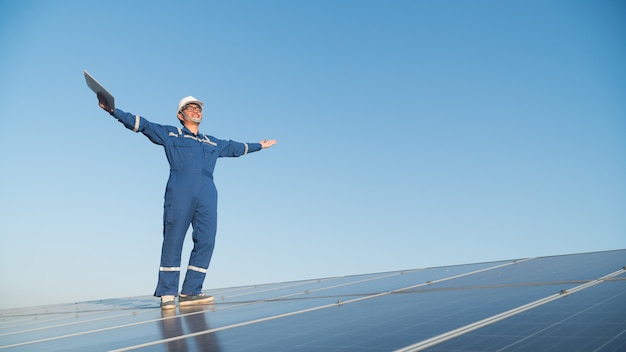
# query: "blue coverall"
[[190, 198]]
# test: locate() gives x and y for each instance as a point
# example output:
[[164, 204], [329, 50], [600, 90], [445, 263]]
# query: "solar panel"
[[571, 302]]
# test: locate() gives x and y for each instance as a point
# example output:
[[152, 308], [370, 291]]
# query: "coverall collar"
[[187, 131]]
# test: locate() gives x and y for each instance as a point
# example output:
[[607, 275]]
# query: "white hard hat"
[[188, 100]]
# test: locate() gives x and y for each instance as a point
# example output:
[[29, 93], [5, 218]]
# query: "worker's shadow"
[[190, 320]]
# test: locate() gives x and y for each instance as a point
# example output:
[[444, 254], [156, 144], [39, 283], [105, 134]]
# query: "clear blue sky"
[[410, 134]]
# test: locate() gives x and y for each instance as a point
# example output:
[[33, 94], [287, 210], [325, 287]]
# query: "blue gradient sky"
[[410, 134]]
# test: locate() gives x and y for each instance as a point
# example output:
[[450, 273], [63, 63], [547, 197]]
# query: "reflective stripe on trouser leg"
[[177, 214], [204, 225], [168, 281]]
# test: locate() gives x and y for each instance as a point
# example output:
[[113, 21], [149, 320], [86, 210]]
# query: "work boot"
[[186, 300], [168, 302]]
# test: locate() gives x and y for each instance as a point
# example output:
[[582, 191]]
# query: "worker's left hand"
[[267, 143]]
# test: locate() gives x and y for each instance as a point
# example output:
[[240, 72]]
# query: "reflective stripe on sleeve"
[[246, 150], [137, 119], [195, 268]]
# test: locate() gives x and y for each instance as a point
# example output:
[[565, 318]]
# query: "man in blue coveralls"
[[190, 195]]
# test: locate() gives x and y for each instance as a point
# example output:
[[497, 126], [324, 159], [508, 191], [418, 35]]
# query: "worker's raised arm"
[[155, 132]]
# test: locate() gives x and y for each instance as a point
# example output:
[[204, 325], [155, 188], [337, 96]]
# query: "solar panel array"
[[560, 303]]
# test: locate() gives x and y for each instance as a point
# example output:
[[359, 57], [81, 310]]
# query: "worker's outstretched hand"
[[267, 143], [104, 104]]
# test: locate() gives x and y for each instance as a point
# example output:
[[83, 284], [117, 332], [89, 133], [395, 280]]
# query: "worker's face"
[[193, 112]]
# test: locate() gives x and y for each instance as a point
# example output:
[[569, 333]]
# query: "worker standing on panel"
[[190, 196]]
